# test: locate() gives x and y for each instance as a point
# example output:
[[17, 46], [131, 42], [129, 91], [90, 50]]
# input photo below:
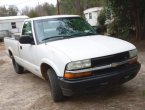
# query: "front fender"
[[51, 64]]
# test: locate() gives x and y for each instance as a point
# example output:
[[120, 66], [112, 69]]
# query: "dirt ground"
[[28, 92]]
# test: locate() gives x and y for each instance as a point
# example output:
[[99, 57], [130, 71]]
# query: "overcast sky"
[[22, 3]]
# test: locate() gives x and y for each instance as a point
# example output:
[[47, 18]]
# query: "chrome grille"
[[101, 61]]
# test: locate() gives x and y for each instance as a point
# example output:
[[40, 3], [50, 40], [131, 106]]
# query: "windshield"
[[61, 28]]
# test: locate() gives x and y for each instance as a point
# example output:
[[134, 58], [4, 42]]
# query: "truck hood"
[[87, 47]]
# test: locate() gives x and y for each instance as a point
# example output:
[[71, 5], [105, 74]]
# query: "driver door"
[[28, 51]]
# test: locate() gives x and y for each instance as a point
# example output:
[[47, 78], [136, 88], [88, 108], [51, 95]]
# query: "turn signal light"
[[77, 75], [133, 61]]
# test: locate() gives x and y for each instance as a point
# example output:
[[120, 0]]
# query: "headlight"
[[79, 65], [133, 53]]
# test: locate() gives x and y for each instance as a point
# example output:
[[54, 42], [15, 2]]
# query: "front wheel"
[[56, 91], [18, 69]]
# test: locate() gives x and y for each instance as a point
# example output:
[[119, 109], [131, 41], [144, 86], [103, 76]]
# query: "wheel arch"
[[10, 52], [44, 67]]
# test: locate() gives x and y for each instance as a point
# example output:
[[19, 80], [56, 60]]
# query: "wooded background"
[[127, 16]]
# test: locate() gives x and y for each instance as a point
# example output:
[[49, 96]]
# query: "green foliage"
[[49, 9], [3, 11], [102, 18], [10, 11], [25, 10], [95, 3], [66, 7], [78, 6], [101, 21], [118, 28], [13, 10], [127, 15], [33, 13], [40, 10]]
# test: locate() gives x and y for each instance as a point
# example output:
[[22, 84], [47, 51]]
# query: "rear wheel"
[[56, 91], [18, 69]]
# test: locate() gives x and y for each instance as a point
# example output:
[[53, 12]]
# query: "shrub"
[[118, 28], [102, 18], [101, 21]]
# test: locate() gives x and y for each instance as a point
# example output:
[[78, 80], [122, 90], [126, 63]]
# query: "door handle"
[[21, 47]]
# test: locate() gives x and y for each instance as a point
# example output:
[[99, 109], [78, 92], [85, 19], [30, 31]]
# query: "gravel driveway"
[[28, 92]]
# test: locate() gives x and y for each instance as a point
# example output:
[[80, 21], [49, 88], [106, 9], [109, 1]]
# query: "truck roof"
[[50, 17]]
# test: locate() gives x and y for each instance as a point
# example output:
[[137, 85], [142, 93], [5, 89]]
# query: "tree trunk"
[[139, 22], [136, 19]]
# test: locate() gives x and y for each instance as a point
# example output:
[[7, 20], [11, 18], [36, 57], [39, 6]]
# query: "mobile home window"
[[13, 24], [90, 15]]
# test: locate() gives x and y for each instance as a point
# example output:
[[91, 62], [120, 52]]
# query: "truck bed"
[[11, 44]]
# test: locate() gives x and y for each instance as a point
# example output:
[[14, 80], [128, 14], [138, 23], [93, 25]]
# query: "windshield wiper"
[[77, 34], [82, 34], [68, 36], [54, 37]]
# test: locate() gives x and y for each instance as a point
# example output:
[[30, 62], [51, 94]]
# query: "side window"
[[27, 30], [13, 24], [90, 15]]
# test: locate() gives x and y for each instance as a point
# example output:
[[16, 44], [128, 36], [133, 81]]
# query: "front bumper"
[[115, 77]]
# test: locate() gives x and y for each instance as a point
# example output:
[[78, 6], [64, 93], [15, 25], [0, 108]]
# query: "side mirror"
[[26, 39]]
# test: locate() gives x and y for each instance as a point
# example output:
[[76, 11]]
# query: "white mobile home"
[[92, 14], [11, 24]]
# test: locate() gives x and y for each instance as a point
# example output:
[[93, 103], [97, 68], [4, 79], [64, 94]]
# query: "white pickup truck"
[[66, 51]]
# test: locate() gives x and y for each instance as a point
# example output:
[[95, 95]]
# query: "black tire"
[[18, 69], [56, 91]]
